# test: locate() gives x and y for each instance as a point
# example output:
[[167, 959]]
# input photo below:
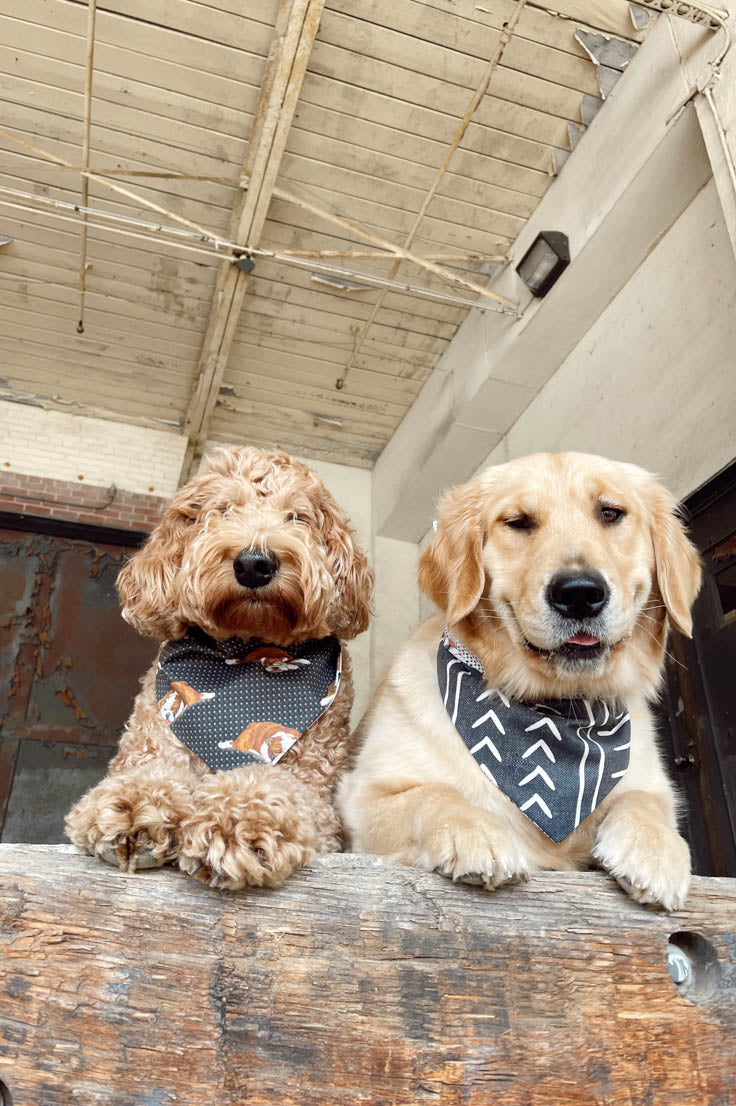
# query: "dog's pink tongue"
[[583, 639]]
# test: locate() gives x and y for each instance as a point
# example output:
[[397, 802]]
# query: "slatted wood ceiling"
[[176, 84]]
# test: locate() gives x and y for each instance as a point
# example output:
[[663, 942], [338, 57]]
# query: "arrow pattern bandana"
[[238, 701], [555, 760]]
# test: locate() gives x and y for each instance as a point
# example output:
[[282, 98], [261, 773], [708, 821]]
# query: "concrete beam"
[[636, 169], [715, 102]]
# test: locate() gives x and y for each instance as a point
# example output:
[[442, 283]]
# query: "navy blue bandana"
[[241, 702], [555, 760]]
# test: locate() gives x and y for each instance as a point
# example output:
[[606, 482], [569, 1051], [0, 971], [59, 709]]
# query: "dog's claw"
[[216, 881], [193, 868], [108, 853], [138, 859], [146, 858]]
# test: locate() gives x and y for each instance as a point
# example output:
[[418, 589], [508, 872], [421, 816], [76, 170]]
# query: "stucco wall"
[[654, 379]]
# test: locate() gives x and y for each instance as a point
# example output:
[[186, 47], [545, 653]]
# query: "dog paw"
[[650, 862], [130, 820], [252, 828], [474, 848], [235, 853]]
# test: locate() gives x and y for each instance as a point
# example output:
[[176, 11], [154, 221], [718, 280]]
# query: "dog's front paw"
[[650, 861], [474, 847], [252, 827], [130, 820]]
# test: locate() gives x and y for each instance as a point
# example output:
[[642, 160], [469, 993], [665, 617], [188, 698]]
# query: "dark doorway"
[[699, 703], [69, 670]]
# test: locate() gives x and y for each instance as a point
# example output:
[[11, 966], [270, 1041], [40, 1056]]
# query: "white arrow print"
[[544, 722], [493, 691], [539, 745], [494, 718], [607, 733], [486, 743], [540, 803], [538, 772]]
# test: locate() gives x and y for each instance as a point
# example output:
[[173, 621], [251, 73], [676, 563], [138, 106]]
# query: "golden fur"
[[160, 803], [415, 793]]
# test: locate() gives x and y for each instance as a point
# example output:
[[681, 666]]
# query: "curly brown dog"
[[253, 547]]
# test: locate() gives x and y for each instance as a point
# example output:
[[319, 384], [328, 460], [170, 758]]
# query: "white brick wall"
[[54, 444]]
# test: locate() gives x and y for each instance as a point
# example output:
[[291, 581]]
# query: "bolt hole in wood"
[[692, 962]]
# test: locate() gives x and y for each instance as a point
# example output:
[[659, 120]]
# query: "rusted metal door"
[[69, 669]]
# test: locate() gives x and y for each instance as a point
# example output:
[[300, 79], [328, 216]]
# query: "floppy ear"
[[451, 569], [676, 559], [145, 585], [350, 571]]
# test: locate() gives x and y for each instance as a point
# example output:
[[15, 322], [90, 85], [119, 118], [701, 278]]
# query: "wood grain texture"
[[353, 983], [176, 89]]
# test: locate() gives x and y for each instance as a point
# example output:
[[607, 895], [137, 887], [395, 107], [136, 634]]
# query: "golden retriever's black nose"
[[255, 570], [578, 594]]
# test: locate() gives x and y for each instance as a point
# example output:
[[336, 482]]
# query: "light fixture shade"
[[544, 261]]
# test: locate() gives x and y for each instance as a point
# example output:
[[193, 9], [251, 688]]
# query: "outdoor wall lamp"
[[544, 261]]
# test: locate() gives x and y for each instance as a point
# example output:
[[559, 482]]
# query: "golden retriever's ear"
[[146, 584], [451, 569], [676, 559], [350, 571]]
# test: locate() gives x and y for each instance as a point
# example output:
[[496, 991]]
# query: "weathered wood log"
[[354, 983]]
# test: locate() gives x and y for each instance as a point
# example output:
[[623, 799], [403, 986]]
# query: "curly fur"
[[160, 803]]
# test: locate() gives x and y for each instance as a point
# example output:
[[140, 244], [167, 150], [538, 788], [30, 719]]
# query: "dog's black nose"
[[578, 594], [255, 570]]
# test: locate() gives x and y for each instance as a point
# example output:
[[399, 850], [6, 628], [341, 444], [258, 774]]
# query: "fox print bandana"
[[555, 760], [239, 702]]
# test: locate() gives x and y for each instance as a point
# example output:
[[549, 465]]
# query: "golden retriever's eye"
[[295, 517], [521, 522], [609, 514]]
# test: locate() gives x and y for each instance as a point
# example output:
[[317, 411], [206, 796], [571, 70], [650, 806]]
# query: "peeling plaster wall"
[[53, 444], [653, 380], [396, 597], [351, 487]]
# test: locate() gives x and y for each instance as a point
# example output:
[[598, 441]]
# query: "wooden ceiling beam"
[[294, 34]]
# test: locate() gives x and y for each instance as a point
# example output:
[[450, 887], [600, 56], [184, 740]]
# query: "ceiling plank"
[[294, 34]]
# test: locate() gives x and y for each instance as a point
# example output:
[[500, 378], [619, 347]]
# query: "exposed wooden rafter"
[[395, 155], [294, 34]]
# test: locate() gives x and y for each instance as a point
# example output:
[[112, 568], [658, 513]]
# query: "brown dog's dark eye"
[[295, 517], [609, 515], [521, 522]]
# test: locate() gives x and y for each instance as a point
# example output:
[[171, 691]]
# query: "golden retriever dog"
[[559, 575], [254, 547]]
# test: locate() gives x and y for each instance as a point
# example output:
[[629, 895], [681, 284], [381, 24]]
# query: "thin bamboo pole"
[[401, 253], [314, 265], [133, 196], [504, 39], [88, 77], [315, 209]]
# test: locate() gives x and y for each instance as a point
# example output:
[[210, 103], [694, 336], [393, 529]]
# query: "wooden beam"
[[294, 34], [493, 368], [357, 982]]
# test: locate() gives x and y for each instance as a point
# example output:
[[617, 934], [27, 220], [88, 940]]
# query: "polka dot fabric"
[[239, 701]]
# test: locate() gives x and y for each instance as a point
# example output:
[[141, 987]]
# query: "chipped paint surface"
[[69, 669]]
